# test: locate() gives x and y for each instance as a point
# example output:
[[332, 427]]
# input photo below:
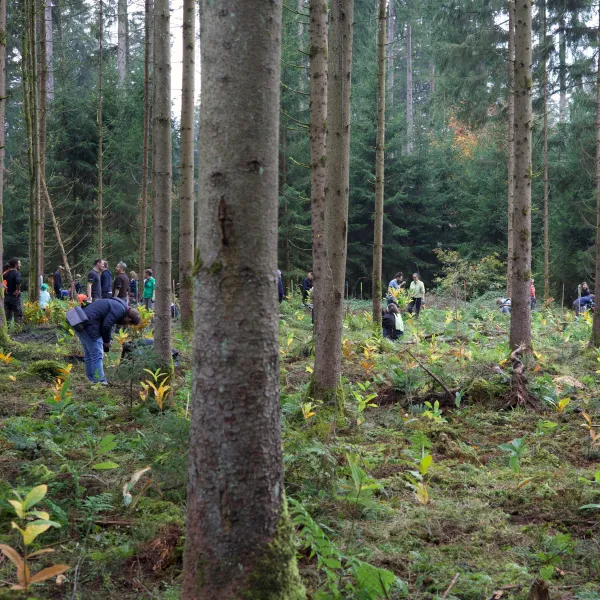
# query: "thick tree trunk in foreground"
[[186, 189], [318, 167], [239, 541], [328, 336], [162, 179], [596, 325], [122, 40], [3, 332], [511, 144], [146, 136], [379, 172], [520, 323], [410, 126], [546, 181], [100, 207]]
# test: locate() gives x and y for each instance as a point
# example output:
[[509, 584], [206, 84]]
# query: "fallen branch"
[[433, 375], [452, 583]]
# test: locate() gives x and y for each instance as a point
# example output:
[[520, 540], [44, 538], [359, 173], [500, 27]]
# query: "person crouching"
[[96, 334]]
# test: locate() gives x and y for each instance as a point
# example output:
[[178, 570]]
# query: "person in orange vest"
[[532, 294]]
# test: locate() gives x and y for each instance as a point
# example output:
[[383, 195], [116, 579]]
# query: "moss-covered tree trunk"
[[328, 332], [520, 324], [162, 179], [239, 541], [546, 180], [379, 169], [186, 167], [511, 144]]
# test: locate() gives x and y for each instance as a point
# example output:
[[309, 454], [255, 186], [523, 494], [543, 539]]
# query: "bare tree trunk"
[[56, 226], [42, 116], [162, 179], [239, 541], [379, 172], [520, 326], [318, 29], [596, 324], [390, 50], [3, 330], [186, 189], [562, 69], [49, 49], [122, 40], [328, 337], [100, 214], [511, 143], [410, 126], [144, 193], [30, 106], [546, 180]]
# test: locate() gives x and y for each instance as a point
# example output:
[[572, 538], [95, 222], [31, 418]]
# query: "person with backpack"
[[96, 333]]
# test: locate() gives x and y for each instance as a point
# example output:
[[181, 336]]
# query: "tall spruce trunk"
[[3, 329], [30, 108], [162, 179], [318, 30], [379, 170], [186, 189], [520, 324], [546, 179], [100, 207], [239, 540], [49, 50], [146, 135], [122, 40], [391, 34], [596, 324], [42, 116], [410, 120], [562, 68], [326, 384], [511, 144]]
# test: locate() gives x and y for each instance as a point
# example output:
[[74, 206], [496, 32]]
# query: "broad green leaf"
[[425, 464], [105, 466], [34, 496], [589, 506], [107, 444], [18, 506], [597, 476], [332, 563]]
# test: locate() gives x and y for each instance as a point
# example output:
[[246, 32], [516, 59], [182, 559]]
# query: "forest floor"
[[476, 521]]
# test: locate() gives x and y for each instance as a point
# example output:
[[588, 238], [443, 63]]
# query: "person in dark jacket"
[[94, 287], [96, 335], [121, 283], [106, 280], [280, 286], [307, 286], [58, 282], [388, 324], [13, 306]]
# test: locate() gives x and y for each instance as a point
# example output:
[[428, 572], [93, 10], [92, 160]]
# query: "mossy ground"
[[496, 528]]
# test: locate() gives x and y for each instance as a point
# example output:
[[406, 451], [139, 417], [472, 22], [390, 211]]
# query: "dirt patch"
[[157, 554]]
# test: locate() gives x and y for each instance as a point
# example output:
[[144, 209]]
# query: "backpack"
[[77, 318]]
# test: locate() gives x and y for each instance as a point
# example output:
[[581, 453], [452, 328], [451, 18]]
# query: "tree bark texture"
[[49, 49], [520, 324], [328, 335], [318, 29], [162, 179], [42, 116], [3, 331], [379, 170], [146, 136], [238, 537], [546, 179], [511, 144], [100, 207], [186, 189], [391, 34], [596, 324], [410, 122], [122, 40]]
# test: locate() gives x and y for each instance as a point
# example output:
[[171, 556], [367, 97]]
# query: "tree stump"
[[539, 590]]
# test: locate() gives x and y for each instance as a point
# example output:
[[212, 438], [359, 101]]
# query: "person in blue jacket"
[[96, 335]]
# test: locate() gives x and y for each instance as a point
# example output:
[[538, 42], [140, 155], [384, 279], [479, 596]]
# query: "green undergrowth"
[[413, 488]]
